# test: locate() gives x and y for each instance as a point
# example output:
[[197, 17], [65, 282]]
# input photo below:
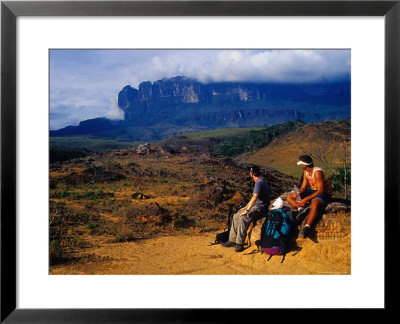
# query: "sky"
[[85, 84]]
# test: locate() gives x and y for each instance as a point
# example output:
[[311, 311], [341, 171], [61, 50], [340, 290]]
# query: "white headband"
[[301, 162]]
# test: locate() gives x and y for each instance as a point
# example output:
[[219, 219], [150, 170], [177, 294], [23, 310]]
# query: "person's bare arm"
[[304, 184], [250, 204], [319, 179]]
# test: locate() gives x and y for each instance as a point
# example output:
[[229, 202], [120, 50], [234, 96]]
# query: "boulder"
[[255, 233], [333, 226], [335, 207], [143, 148], [158, 214], [138, 195]]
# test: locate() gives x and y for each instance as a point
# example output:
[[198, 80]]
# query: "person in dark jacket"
[[255, 209]]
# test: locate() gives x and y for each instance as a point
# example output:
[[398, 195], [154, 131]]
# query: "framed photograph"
[[157, 81]]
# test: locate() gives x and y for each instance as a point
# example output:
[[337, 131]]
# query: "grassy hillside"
[[326, 142], [222, 133], [277, 146], [66, 148], [88, 143], [230, 141], [255, 139]]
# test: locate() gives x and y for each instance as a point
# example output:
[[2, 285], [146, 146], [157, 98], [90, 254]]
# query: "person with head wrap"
[[313, 194]]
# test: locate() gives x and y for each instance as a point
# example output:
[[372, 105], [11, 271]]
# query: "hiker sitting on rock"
[[253, 211], [314, 189]]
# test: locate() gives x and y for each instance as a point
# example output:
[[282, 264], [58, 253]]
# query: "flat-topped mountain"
[[176, 105]]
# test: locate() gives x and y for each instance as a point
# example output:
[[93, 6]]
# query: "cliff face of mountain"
[[167, 92], [183, 100], [181, 103], [181, 90]]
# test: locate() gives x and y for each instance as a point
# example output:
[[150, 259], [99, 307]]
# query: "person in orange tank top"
[[314, 193]]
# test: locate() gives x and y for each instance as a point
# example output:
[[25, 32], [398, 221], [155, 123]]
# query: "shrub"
[[125, 236], [92, 225], [341, 177], [55, 252]]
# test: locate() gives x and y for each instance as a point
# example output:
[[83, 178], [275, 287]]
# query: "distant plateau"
[[173, 106]]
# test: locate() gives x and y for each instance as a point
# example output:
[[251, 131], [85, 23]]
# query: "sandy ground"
[[193, 254]]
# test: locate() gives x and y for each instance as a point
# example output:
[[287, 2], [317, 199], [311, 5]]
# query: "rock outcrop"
[[334, 223]]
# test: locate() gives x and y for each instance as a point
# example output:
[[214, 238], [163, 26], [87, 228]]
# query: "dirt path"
[[192, 254]]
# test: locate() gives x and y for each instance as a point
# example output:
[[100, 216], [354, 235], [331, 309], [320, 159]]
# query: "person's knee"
[[244, 221], [316, 203], [291, 198]]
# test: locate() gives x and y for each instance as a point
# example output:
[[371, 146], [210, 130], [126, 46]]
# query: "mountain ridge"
[[183, 104]]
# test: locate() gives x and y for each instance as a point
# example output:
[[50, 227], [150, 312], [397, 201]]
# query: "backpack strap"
[[275, 222]]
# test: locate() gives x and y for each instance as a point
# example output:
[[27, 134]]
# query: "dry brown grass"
[[325, 142], [126, 196]]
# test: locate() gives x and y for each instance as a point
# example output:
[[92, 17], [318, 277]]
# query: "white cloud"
[[296, 66], [115, 113]]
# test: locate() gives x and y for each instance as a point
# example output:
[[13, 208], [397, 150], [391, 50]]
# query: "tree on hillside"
[[321, 155], [339, 175]]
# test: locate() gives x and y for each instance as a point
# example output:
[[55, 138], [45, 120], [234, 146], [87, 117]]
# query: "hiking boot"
[[239, 248], [301, 214], [228, 244], [305, 231]]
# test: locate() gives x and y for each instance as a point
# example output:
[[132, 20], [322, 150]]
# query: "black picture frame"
[[10, 10]]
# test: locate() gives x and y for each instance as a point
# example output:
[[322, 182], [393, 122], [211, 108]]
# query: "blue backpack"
[[275, 233]]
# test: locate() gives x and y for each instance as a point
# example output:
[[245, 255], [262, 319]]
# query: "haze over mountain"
[[180, 104]]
